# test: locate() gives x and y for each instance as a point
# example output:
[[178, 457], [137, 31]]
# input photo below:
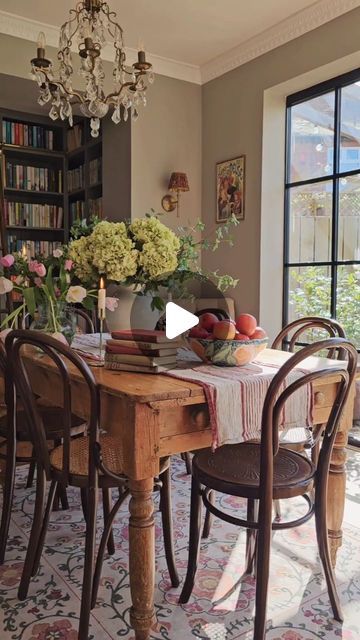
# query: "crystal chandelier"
[[92, 25]]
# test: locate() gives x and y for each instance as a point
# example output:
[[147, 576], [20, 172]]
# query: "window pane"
[[348, 301], [309, 292], [349, 218], [310, 222], [312, 138], [350, 128]]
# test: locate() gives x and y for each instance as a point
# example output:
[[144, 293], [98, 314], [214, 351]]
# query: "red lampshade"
[[178, 182]]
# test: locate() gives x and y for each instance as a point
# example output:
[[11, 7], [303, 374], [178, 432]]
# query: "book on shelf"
[[25, 214], [95, 171], [149, 361], [29, 178], [34, 248], [75, 137], [135, 368], [76, 178], [27, 135], [144, 335], [95, 208], [77, 209]]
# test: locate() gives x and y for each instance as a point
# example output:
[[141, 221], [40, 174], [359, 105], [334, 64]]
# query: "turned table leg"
[[337, 480], [142, 557]]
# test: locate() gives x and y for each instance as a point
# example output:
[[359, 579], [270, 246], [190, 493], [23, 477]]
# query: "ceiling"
[[194, 32]]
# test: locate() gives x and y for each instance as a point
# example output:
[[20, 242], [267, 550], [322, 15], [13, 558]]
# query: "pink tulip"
[[38, 282], [40, 269], [68, 264], [32, 265], [7, 261]]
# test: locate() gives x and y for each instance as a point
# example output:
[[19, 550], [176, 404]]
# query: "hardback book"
[[149, 361], [142, 335], [136, 368], [146, 349]]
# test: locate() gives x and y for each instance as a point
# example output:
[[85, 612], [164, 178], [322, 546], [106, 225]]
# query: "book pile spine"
[[95, 171], [141, 351], [75, 137], [27, 135], [34, 248], [76, 178], [25, 214], [29, 178]]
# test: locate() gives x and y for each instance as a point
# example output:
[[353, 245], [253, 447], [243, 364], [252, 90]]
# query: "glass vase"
[[56, 319]]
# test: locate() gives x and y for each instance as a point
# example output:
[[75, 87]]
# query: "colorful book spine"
[[27, 135], [25, 214], [34, 248], [31, 178]]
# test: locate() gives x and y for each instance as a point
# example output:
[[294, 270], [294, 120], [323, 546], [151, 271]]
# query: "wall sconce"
[[178, 183]]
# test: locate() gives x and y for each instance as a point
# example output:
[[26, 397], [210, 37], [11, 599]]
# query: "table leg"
[[142, 557], [337, 480]]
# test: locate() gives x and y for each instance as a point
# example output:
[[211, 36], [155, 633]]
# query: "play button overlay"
[[178, 320]]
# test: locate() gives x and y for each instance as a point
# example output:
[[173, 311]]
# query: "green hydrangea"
[[158, 246], [108, 250]]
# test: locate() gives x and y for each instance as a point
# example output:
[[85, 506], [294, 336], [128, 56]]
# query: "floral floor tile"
[[219, 608]]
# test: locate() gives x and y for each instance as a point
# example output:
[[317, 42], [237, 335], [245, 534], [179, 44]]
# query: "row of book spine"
[[96, 208], [77, 209], [76, 178], [95, 171], [24, 214], [19, 176], [75, 137], [34, 248], [27, 135]]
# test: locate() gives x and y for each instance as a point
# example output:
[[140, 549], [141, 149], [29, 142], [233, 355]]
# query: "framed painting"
[[230, 189]]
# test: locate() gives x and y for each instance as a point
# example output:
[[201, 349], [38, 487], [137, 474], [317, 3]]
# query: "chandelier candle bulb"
[[41, 44]]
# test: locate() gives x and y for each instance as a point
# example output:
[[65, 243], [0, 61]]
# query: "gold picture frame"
[[230, 189]]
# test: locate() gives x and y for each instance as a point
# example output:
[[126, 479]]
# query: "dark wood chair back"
[[277, 396], [312, 328], [61, 357]]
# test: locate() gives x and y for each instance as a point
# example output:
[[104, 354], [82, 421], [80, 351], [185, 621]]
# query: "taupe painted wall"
[[232, 125], [165, 138]]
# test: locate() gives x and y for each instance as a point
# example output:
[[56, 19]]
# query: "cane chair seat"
[[235, 470], [111, 452]]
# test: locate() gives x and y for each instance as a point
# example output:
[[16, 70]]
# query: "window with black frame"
[[322, 204]]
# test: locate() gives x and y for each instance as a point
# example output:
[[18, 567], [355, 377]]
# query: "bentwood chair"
[[265, 471], [91, 462], [16, 449]]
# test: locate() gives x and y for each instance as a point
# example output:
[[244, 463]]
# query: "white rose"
[[5, 285], [57, 253], [76, 294]]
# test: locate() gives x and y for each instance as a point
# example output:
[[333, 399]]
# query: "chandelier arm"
[[109, 15], [110, 98], [59, 83]]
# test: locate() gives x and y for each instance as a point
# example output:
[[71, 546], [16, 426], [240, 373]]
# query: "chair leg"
[[34, 535], [324, 552], [104, 538], [194, 540], [61, 491], [251, 537], [8, 494], [106, 496], [262, 568], [89, 562], [208, 516], [30, 478], [167, 526], [84, 502], [187, 459], [44, 528], [277, 509]]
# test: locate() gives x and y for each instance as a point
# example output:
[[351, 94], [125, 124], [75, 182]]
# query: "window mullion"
[[335, 201]]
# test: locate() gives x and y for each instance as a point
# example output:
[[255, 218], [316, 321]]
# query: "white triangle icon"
[[178, 320]]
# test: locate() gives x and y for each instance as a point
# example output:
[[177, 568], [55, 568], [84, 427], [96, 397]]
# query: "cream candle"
[[101, 299]]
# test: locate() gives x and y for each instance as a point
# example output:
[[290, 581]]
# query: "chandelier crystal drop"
[[91, 26]]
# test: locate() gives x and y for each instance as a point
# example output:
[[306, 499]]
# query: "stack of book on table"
[[141, 350]]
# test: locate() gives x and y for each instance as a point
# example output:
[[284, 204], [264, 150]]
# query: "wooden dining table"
[[158, 415]]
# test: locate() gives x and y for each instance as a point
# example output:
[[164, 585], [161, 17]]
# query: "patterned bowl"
[[227, 353]]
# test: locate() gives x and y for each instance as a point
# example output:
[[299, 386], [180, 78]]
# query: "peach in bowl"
[[227, 353]]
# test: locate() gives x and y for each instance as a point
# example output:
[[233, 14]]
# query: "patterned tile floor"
[[298, 603]]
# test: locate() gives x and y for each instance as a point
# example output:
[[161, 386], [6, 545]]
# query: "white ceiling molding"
[[289, 29], [26, 29], [296, 25]]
